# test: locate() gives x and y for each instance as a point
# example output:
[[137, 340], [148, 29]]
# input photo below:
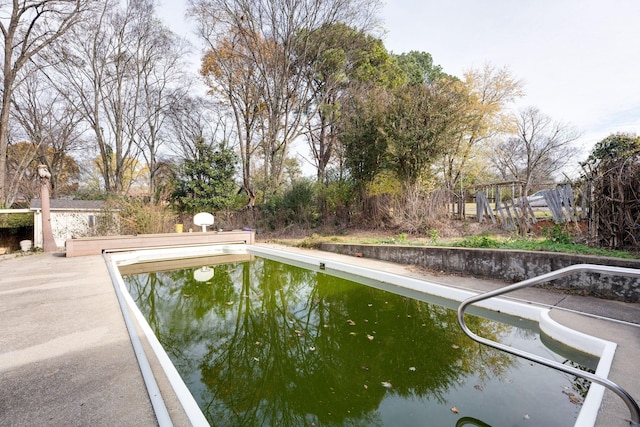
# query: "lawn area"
[[553, 239]]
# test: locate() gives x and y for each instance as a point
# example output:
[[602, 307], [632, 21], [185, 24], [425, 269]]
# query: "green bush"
[[558, 233], [298, 202], [335, 201], [270, 214], [16, 220], [481, 241], [297, 206]]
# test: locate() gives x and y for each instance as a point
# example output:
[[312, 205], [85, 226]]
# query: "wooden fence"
[[516, 213]]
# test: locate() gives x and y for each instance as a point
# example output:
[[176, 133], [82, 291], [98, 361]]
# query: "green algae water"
[[263, 343]]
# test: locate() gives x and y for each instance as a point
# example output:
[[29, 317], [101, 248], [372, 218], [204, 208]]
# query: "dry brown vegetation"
[[445, 230]]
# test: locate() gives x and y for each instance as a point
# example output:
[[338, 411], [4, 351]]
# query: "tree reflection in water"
[[264, 343]]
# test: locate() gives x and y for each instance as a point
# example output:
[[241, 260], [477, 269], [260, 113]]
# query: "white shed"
[[69, 218]]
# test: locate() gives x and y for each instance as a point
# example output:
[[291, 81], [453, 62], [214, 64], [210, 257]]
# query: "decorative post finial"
[[43, 172]]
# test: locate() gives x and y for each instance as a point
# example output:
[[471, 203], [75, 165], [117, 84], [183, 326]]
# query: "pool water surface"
[[259, 342]]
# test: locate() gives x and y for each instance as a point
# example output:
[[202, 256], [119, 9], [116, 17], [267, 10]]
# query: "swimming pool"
[[337, 390]]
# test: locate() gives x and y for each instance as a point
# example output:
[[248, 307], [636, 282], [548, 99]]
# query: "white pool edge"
[[603, 349], [189, 404]]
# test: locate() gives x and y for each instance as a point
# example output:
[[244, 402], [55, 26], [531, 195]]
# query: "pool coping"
[[604, 349]]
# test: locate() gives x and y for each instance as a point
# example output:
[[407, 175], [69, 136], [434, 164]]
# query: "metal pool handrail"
[[577, 268]]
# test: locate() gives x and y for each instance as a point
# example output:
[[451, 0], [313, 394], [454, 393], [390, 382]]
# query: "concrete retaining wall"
[[510, 266]]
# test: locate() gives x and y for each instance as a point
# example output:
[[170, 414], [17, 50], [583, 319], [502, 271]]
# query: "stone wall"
[[509, 266]]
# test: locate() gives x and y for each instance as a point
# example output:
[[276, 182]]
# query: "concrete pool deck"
[[66, 357]]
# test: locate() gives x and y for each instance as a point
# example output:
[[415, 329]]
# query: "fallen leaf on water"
[[455, 410]]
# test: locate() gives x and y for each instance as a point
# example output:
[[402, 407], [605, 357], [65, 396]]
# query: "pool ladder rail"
[[577, 268]]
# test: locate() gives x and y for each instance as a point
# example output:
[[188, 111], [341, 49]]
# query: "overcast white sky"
[[579, 59]]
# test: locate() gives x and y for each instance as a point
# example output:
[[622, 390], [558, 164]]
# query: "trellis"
[[615, 203]]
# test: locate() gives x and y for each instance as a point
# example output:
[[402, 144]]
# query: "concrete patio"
[[66, 358]]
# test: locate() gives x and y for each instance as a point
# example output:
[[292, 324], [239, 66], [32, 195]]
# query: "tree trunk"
[[7, 92], [4, 143]]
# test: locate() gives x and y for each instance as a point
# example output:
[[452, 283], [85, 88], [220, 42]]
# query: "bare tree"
[[193, 119], [94, 71], [119, 67], [163, 83], [234, 81], [538, 151], [27, 28], [52, 126]]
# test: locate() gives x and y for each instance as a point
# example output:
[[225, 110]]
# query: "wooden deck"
[[96, 245]]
